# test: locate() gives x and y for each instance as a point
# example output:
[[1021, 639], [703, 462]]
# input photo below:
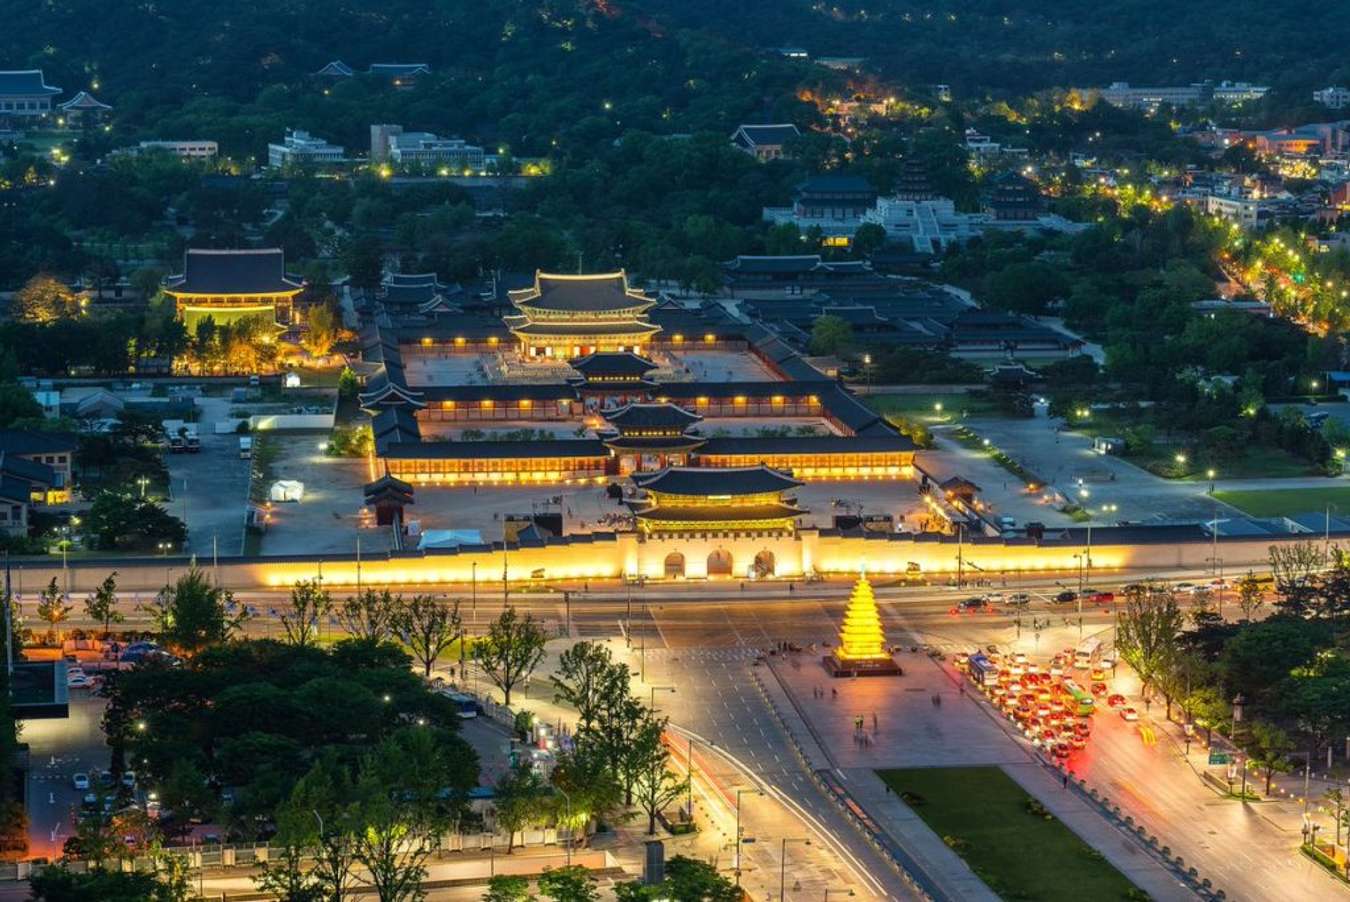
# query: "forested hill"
[[1023, 45]]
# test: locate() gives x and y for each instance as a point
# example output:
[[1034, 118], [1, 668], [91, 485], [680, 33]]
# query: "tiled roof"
[[16, 441], [597, 293], [651, 416], [768, 134], [24, 83], [809, 444], [625, 363], [704, 513], [233, 272], [716, 481]]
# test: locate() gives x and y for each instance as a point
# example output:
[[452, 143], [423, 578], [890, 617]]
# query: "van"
[[254, 381], [245, 447]]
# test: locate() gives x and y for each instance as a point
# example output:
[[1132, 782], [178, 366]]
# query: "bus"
[[1086, 653], [1082, 702], [983, 671]]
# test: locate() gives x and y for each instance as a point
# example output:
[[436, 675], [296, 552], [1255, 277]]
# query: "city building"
[[564, 317], [228, 285], [390, 143], [1245, 210], [44, 460], [1336, 97], [84, 108], [188, 150], [25, 94], [764, 142], [300, 148], [717, 500], [1123, 94]]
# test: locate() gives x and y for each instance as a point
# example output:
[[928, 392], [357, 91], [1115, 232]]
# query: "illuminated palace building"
[[228, 285], [564, 317]]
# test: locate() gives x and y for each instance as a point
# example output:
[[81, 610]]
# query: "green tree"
[[193, 614], [686, 879], [1150, 626], [869, 239], [52, 608], [831, 334], [519, 800], [590, 791], [123, 521], [363, 259], [370, 614], [568, 884], [284, 876], [186, 792], [508, 888], [655, 786], [584, 671], [1251, 598], [1268, 749], [510, 650], [302, 621], [429, 625], [58, 884], [348, 384], [322, 331], [101, 605]]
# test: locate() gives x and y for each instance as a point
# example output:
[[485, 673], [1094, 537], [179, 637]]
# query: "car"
[[129, 779], [1115, 701], [1184, 587], [1060, 750], [80, 781], [106, 779], [962, 660], [1066, 596], [972, 604], [1098, 688], [1043, 710], [1103, 597], [995, 597], [1129, 714], [1056, 668], [1098, 674], [1048, 734], [78, 681], [1077, 741], [1018, 600], [90, 801]]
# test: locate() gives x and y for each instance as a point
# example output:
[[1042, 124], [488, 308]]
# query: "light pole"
[[782, 863], [739, 793], [1238, 701], [142, 481], [473, 588], [1210, 474]]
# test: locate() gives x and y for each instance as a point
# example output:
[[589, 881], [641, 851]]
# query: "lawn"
[[987, 819], [1284, 502], [954, 406]]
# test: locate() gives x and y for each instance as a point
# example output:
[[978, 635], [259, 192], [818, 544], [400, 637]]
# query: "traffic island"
[[862, 642]]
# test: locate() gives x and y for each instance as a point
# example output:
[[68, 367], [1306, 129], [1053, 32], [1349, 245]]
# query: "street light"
[[142, 482], [739, 793], [1210, 474], [782, 863]]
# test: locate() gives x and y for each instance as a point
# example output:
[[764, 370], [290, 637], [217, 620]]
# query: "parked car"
[[972, 604], [79, 681], [80, 781], [129, 779], [1103, 597], [1018, 600]]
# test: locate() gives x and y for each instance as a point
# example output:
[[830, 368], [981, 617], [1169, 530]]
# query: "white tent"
[[287, 490]]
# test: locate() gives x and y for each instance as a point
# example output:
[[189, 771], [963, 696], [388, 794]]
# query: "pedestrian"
[[834, 693], [1066, 779], [874, 721]]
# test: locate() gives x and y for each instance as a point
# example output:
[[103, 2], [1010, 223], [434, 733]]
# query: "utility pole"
[[960, 554]]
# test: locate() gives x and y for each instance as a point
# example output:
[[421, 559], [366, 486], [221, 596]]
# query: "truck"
[[245, 446]]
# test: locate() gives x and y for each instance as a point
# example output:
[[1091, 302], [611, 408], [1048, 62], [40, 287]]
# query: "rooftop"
[[247, 272], [768, 134], [716, 481], [24, 83], [570, 448], [651, 416], [809, 444], [706, 513], [16, 441], [598, 293], [602, 364]]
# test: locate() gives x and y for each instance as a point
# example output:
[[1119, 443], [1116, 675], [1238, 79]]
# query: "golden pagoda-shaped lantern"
[[862, 640]]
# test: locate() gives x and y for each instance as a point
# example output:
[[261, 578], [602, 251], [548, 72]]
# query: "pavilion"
[[564, 317], [229, 285], [651, 436]]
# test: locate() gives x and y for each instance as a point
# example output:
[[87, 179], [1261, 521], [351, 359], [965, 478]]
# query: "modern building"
[[927, 226], [25, 94], [84, 108], [1246, 211], [35, 469], [764, 142], [391, 144], [188, 150], [564, 317], [1336, 97], [702, 500], [1123, 94], [300, 148], [228, 285]]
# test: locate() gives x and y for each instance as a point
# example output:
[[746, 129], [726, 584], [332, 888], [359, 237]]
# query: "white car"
[[129, 779], [80, 781], [1129, 714], [79, 681]]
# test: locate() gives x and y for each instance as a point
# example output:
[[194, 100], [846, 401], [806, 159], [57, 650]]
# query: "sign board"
[[1217, 757]]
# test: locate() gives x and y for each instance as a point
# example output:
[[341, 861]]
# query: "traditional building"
[[25, 94], [564, 317], [229, 285], [84, 108], [388, 495], [833, 457], [612, 379], [559, 462], [764, 142], [702, 500], [1014, 198], [651, 436]]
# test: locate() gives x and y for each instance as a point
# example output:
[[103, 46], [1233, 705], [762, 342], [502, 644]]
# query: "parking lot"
[[210, 488]]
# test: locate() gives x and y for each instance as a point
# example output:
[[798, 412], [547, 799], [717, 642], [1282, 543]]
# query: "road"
[[59, 749]]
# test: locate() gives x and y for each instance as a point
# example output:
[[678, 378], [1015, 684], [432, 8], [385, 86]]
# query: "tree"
[[510, 650], [831, 334], [1250, 597], [868, 239], [101, 605], [588, 786], [508, 888], [123, 521], [193, 614], [363, 259], [284, 876], [52, 608], [58, 884], [568, 884], [44, 299], [1293, 567], [1210, 708], [1261, 656], [655, 786], [186, 792], [320, 815], [429, 625], [322, 333], [584, 670], [519, 800], [1269, 749], [1149, 628], [686, 879], [309, 604], [348, 384], [370, 614]]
